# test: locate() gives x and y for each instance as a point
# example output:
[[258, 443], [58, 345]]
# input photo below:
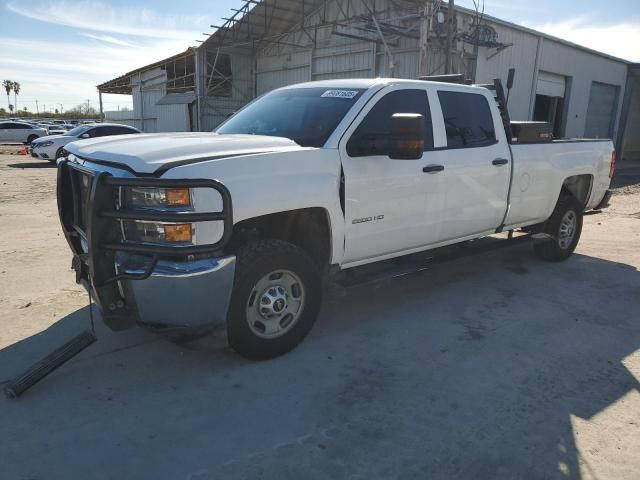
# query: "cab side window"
[[373, 134], [122, 131], [467, 119], [98, 132]]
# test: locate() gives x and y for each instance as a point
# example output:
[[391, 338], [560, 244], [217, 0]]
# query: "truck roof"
[[367, 83]]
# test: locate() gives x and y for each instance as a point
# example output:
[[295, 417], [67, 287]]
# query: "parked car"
[[182, 230], [20, 132], [52, 146], [57, 129]]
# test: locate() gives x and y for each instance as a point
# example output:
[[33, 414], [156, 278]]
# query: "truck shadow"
[[483, 369], [42, 164]]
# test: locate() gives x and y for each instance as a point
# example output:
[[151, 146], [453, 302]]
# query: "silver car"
[[20, 132], [52, 147]]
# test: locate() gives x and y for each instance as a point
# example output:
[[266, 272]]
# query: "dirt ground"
[[496, 366]]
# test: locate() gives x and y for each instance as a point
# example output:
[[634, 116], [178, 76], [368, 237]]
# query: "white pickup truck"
[[182, 230]]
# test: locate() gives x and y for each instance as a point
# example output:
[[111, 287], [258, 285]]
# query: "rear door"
[[477, 164], [387, 202], [21, 132], [100, 131], [12, 132]]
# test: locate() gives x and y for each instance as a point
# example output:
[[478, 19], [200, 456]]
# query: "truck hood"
[[156, 153]]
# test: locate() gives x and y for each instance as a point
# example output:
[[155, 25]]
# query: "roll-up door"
[[551, 85], [601, 110]]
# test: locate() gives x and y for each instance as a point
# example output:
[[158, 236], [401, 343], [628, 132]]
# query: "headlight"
[[146, 197], [153, 232], [47, 143], [171, 201]]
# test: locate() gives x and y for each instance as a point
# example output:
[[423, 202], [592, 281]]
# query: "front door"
[[388, 202], [4, 132]]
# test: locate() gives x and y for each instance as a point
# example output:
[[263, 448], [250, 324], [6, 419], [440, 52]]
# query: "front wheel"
[[59, 153], [275, 301], [31, 139], [564, 228]]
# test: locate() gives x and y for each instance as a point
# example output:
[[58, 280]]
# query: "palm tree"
[[8, 86], [16, 91]]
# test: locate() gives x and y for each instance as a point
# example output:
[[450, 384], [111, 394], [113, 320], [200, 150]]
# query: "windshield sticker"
[[339, 94]]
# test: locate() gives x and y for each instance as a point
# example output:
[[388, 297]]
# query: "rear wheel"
[[564, 228], [275, 300]]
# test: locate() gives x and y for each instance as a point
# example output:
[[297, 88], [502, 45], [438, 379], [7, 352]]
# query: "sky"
[[59, 50]]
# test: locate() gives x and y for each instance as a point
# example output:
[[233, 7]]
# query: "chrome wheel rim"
[[275, 304], [568, 227]]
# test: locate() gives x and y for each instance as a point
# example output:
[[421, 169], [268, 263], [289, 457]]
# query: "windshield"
[[307, 116], [77, 131]]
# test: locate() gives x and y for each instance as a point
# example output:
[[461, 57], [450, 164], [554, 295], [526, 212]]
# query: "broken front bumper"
[[179, 294], [161, 286]]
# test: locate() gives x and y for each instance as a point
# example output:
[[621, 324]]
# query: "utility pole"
[[451, 27], [425, 26], [88, 105], [61, 109], [37, 111]]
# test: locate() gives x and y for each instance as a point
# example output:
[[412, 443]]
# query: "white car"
[[182, 230], [51, 147], [20, 132]]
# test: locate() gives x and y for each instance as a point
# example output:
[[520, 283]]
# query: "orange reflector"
[[178, 233], [178, 197]]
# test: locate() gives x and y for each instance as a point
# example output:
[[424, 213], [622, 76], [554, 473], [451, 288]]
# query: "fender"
[[277, 182]]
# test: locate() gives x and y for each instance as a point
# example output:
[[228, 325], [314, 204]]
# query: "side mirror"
[[407, 136], [84, 135]]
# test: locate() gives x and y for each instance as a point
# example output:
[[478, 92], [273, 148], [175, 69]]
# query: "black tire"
[[255, 261], [31, 139], [556, 248], [59, 153]]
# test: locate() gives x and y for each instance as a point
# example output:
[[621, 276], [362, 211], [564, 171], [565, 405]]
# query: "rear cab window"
[[467, 119]]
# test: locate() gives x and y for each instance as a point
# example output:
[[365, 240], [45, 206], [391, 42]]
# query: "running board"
[[419, 262]]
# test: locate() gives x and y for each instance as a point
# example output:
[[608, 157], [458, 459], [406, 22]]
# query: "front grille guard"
[[102, 232]]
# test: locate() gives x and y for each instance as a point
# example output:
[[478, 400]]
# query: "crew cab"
[[180, 231]]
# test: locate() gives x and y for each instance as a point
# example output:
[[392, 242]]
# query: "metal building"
[[267, 44]]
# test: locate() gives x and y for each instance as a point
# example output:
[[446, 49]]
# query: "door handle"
[[500, 161], [433, 168]]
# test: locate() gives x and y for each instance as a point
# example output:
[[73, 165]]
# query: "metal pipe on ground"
[[16, 387]]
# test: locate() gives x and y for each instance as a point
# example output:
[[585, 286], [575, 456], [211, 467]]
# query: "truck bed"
[[539, 170]]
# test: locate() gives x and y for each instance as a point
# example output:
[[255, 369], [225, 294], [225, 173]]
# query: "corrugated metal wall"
[[531, 54], [582, 68], [148, 88], [521, 56], [277, 70]]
